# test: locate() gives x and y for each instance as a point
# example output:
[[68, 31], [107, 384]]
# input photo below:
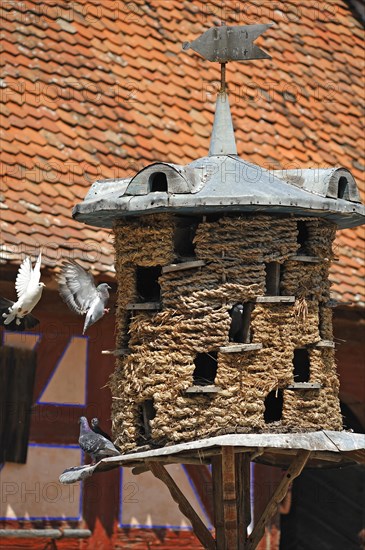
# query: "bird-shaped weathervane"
[[223, 44]]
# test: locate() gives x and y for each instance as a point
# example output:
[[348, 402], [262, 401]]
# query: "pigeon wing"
[[76, 287], [23, 277], [36, 272], [91, 443]]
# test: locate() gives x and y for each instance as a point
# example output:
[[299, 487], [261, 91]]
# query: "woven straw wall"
[[194, 318]]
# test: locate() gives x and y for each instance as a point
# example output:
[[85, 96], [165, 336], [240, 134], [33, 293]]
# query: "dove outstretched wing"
[[77, 287]]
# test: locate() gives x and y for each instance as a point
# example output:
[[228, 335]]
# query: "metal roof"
[[224, 183]]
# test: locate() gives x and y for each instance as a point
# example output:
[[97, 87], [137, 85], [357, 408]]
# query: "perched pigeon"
[[96, 429], [78, 290], [94, 444], [16, 315], [236, 328]]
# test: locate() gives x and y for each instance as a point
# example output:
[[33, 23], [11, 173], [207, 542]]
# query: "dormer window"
[[158, 182], [343, 188]]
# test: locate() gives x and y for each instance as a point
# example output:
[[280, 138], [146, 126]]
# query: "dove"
[[16, 315], [236, 328], [94, 444], [96, 429], [78, 291]]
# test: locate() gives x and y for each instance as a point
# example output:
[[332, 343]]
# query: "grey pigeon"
[[236, 328], [96, 429], [16, 315], [93, 444], [78, 290]]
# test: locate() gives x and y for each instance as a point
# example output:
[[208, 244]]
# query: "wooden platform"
[[230, 457]]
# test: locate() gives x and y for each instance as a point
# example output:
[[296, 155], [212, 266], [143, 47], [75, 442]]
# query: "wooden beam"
[[218, 499], [306, 259], [246, 473], [241, 471], [143, 306], [229, 498], [115, 352], [275, 299], [293, 471], [184, 265], [236, 348], [304, 386], [142, 468], [203, 389], [324, 344], [201, 478], [185, 507]]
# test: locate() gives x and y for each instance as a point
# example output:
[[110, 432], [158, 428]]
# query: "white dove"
[[77, 289], [29, 291]]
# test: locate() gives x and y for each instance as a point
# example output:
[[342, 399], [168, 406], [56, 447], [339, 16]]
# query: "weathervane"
[[223, 44]]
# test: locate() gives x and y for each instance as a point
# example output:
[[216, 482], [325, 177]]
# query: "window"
[[240, 331], [273, 272], [147, 412], [158, 182], [17, 374], [206, 365], [301, 365], [185, 230], [274, 406], [343, 188], [302, 236], [148, 287]]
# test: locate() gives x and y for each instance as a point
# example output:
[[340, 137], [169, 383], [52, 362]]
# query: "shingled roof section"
[[100, 90]]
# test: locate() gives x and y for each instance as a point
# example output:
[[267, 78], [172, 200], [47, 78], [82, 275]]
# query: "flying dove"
[[78, 291], [16, 315], [94, 444]]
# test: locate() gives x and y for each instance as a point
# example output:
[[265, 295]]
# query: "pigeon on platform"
[[78, 290], [236, 328], [94, 444], [96, 428], [16, 315]]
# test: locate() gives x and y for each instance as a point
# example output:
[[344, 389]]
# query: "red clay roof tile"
[[106, 90]]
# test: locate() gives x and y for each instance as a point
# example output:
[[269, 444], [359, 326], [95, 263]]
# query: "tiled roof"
[[98, 90]]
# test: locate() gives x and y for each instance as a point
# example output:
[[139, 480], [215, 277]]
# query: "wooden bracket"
[[293, 471], [200, 530]]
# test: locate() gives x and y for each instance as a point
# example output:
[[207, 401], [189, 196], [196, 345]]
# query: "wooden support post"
[[217, 502], [229, 498], [201, 478], [231, 494], [293, 471], [241, 501], [246, 474], [199, 528]]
